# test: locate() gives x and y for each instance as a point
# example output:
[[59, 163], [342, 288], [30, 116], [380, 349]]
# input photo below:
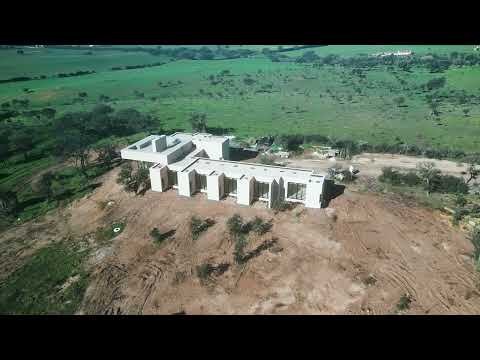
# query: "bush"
[[475, 239], [204, 271], [198, 226], [460, 200], [449, 184], [404, 303], [391, 176], [281, 205], [267, 160], [156, 235], [235, 224], [259, 226], [411, 179], [240, 244], [458, 215]]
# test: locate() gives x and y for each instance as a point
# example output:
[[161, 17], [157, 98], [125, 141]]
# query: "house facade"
[[191, 163]]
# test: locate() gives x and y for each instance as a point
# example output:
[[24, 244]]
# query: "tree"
[[45, 184], [3, 145], [473, 173], [308, 57], [22, 140], [435, 83], [8, 202], [399, 100], [198, 122], [127, 179], [428, 173], [106, 154]]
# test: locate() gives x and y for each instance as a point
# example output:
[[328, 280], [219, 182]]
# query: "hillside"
[[361, 256]]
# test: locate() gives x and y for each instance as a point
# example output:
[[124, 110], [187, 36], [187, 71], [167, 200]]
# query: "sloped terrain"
[[359, 256]]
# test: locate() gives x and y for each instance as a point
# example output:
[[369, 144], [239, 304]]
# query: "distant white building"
[[191, 163], [396, 53]]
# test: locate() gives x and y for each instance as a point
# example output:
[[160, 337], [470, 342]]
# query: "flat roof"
[[239, 169]]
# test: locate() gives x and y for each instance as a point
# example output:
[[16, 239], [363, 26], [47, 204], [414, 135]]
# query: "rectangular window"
[[201, 181], [230, 186], [172, 178], [296, 191], [260, 189]]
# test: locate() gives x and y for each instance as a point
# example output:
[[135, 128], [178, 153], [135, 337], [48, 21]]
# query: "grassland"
[[248, 97], [51, 282], [302, 99]]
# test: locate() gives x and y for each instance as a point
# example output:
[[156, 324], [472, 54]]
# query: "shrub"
[[281, 205], [475, 239], [235, 224], [240, 244], [267, 160], [411, 179], [198, 226], [159, 237], [259, 226], [449, 184], [460, 200], [458, 215], [204, 271], [391, 176], [404, 303]]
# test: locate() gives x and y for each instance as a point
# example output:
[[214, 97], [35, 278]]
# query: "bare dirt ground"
[[359, 256], [371, 164]]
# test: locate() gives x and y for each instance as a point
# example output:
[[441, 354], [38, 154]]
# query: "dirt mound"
[[360, 256]]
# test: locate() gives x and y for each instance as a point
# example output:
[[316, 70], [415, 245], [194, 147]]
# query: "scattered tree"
[[198, 122]]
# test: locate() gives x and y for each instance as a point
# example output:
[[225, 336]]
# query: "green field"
[[295, 104]]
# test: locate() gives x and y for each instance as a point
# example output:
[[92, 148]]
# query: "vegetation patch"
[[109, 232], [159, 237], [404, 303], [239, 230], [198, 226], [52, 281]]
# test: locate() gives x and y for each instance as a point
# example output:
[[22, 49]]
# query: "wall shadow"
[[219, 130], [332, 191], [237, 154]]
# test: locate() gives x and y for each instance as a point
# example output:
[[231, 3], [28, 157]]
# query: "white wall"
[[314, 192], [245, 191], [214, 149], [185, 178], [215, 186], [155, 179]]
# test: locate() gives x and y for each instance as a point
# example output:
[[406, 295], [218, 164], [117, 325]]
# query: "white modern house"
[[191, 163]]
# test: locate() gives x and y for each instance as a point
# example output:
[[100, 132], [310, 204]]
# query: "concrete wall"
[[155, 157], [179, 153], [214, 149], [159, 144], [158, 178], [274, 193], [215, 186], [186, 182], [245, 190], [314, 192]]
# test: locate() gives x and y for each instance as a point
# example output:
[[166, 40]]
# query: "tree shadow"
[[220, 269], [219, 130], [262, 247], [30, 202], [168, 234], [237, 154], [332, 191]]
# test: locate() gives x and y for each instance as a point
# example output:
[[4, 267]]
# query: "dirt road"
[[372, 164]]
